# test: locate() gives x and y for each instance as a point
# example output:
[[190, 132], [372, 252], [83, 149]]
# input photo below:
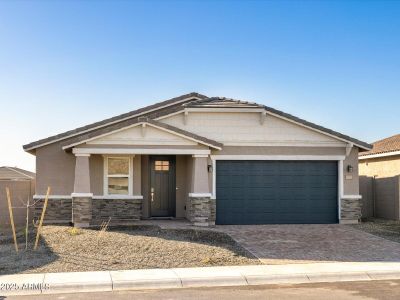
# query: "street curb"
[[106, 281]]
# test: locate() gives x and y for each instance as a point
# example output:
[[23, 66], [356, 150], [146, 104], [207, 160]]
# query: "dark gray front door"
[[162, 186], [277, 192]]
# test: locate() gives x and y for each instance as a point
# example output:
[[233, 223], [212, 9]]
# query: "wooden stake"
[[42, 218], [11, 218], [27, 222]]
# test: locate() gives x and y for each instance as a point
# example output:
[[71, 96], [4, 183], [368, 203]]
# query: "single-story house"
[[380, 179], [21, 184], [207, 159]]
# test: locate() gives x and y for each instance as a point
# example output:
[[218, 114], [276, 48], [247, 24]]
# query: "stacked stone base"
[[58, 211], [82, 211], [118, 211], [201, 211], [85, 211], [350, 211]]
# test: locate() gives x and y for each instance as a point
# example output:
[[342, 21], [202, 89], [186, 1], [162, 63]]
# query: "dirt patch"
[[63, 250], [387, 229]]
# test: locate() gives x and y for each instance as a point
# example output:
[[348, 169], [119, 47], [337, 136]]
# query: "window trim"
[[106, 176]]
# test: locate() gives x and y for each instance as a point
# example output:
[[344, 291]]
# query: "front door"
[[162, 186]]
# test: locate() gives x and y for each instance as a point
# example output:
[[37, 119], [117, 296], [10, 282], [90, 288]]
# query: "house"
[[379, 179], [21, 184], [207, 159]]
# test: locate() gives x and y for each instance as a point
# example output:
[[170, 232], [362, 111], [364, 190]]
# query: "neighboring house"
[[379, 179], [22, 188], [209, 160]]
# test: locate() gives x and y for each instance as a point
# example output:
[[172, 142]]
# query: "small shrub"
[[74, 231], [206, 260]]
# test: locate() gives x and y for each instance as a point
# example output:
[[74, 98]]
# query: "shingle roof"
[[14, 173], [386, 145], [192, 100], [109, 129]]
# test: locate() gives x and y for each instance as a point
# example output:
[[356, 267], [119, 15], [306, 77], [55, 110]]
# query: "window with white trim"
[[118, 176]]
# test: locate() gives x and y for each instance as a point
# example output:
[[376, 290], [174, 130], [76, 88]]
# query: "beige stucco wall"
[[96, 164], [181, 184], [145, 182], [54, 168], [137, 175], [381, 166], [351, 180]]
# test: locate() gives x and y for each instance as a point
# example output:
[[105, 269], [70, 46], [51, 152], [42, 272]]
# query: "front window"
[[118, 176]]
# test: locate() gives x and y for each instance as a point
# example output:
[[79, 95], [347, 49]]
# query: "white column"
[[82, 174]]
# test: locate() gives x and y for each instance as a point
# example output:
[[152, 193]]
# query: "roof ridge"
[[221, 99]]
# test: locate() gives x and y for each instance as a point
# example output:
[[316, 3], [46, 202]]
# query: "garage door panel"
[[276, 192], [259, 205]]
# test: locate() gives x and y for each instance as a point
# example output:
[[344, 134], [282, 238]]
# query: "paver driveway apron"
[[283, 244]]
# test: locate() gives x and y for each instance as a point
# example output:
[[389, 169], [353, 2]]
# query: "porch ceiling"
[[123, 150]]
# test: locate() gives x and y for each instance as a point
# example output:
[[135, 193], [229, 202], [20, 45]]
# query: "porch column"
[[200, 208], [81, 197]]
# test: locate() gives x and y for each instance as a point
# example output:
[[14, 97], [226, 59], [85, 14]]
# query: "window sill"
[[127, 197]]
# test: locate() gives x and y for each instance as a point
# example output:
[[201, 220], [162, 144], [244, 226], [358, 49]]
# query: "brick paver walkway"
[[289, 244], [283, 244]]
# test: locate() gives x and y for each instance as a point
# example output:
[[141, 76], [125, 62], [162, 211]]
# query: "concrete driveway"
[[283, 244]]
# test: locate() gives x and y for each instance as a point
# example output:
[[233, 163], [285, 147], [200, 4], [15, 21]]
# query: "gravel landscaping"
[[387, 229], [63, 249]]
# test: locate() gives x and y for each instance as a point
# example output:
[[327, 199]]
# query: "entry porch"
[[128, 184]]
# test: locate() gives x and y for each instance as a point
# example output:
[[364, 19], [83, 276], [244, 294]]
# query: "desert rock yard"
[[386, 229], [63, 249]]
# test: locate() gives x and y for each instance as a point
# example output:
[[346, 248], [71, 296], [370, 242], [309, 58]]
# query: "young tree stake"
[[42, 218]]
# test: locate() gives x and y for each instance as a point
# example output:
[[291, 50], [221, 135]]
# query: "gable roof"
[[192, 100], [233, 103], [14, 173], [136, 122], [134, 113], [387, 146]]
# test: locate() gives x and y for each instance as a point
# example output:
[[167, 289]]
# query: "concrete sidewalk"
[[55, 283]]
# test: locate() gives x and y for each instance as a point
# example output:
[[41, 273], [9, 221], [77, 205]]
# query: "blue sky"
[[64, 64]]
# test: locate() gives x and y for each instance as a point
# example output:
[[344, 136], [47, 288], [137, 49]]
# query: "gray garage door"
[[276, 192]]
